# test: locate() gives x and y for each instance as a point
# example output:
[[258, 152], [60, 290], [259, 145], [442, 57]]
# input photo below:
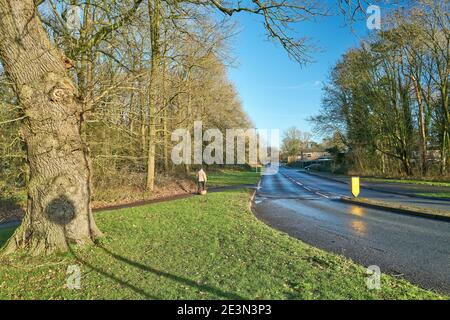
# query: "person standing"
[[201, 180]]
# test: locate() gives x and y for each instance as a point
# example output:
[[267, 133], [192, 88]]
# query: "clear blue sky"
[[277, 92]]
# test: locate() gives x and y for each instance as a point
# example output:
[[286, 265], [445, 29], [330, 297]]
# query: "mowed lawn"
[[203, 247], [230, 177]]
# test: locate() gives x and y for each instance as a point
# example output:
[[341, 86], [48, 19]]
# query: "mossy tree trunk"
[[58, 208]]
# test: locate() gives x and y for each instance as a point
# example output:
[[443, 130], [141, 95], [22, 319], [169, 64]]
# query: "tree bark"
[[422, 129], [58, 206], [154, 8]]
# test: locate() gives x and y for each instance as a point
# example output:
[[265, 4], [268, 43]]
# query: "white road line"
[[307, 188], [334, 196], [323, 195], [293, 180]]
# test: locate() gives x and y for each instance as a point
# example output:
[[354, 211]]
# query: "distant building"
[[312, 155]]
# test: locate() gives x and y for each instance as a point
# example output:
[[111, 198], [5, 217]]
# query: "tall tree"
[[53, 107], [59, 189]]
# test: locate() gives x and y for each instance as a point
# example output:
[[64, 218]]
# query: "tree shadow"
[[60, 210], [111, 276], [182, 280]]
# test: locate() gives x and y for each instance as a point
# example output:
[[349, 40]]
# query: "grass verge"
[[346, 179], [231, 177], [406, 181], [402, 208], [209, 247], [435, 195]]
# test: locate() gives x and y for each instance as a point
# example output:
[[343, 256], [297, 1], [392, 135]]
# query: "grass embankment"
[[410, 181], [12, 204], [197, 248], [435, 195], [231, 177], [402, 208], [417, 182]]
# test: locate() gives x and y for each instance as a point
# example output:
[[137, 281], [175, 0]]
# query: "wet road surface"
[[414, 190], [307, 207], [335, 189]]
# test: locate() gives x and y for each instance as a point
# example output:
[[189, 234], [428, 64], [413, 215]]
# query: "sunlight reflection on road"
[[357, 211], [357, 225]]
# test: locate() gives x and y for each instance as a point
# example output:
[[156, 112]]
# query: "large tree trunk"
[[58, 209]]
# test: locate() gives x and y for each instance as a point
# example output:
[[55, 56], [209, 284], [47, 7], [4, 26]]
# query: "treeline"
[[138, 81], [388, 101], [92, 104]]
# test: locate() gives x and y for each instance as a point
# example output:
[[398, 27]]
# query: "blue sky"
[[277, 92]]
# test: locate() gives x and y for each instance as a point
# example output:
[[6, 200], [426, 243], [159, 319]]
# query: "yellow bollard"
[[355, 186]]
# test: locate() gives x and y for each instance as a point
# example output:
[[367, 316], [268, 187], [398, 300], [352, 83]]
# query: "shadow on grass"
[[6, 233], [185, 281], [111, 276], [142, 292]]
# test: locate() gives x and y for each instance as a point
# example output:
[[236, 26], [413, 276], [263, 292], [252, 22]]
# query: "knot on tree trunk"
[[58, 95], [60, 89]]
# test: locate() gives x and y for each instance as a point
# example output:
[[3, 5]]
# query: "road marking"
[[293, 180], [323, 195], [307, 188]]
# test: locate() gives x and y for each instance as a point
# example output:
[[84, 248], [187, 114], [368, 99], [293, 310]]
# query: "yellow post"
[[355, 186]]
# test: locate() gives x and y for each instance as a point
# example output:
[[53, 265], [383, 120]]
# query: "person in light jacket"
[[201, 179]]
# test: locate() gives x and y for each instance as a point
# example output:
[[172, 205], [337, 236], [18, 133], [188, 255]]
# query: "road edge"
[[377, 189], [418, 213]]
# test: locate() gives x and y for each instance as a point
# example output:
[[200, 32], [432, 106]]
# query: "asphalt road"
[[415, 190], [307, 207]]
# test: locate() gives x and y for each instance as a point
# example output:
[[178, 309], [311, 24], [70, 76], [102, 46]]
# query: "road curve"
[[308, 208]]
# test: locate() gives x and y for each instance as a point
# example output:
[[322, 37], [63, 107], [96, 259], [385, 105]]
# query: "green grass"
[[435, 195], [209, 247], [5, 234], [230, 177], [419, 182]]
